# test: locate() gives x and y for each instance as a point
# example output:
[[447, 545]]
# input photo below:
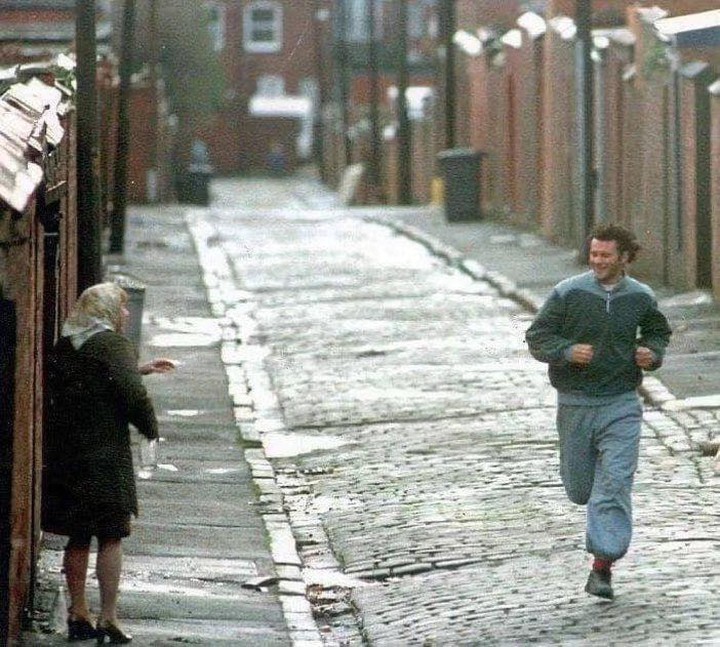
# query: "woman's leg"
[[75, 563], [109, 566]]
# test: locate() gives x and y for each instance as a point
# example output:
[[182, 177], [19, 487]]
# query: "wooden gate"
[[7, 415]]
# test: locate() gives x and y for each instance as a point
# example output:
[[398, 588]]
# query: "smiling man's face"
[[606, 261]]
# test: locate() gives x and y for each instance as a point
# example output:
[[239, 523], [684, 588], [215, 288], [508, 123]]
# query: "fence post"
[[714, 92]]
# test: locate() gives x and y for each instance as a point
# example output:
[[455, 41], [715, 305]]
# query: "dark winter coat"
[[88, 478]]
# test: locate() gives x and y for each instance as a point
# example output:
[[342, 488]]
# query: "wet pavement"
[[356, 416]]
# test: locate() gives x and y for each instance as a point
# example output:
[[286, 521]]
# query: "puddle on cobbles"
[[279, 445], [222, 470], [143, 586], [146, 473], [186, 331], [330, 579], [178, 340]]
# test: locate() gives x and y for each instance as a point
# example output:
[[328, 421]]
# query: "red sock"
[[602, 565]]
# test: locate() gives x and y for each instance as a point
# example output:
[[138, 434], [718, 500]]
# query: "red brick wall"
[[521, 167], [423, 162], [68, 264], [500, 14], [689, 177], [696, 133], [482, 125], [151, 142], [143, 123], [23, 288], [423, 156], [558, 202], [390, 163], [668, 214], [22, 278], [611, 108], [650, 205], [463, 101], [333, 150], [630, 161], [486, 118]]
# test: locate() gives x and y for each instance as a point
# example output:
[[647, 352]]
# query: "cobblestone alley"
[[414, 445]]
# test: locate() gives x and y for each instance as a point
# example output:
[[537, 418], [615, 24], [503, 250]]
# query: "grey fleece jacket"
[[615, 323]]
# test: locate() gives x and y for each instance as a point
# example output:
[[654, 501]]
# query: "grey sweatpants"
[[598, 458]]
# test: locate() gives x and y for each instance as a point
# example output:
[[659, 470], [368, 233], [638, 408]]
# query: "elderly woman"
[[88, 480]]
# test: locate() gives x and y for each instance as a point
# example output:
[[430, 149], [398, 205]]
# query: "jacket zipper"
[[607, 302]]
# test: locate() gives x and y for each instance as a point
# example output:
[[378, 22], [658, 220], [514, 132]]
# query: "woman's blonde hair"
[[101, 302]]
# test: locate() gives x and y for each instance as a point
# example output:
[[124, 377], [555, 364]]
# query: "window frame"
[[263, 47], [217, 33]]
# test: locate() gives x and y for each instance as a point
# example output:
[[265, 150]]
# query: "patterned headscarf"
[[97, 309]]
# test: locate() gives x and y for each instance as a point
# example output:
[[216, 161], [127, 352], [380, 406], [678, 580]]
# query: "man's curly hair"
[[625, 239]]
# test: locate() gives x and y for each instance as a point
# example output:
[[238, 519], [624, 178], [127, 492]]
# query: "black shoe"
[[115, 635], [80, 629], [598, 584]]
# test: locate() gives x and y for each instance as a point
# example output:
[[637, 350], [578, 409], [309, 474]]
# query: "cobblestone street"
[[414, 443]]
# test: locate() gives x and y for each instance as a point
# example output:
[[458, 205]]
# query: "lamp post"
[[117, 231], [404, 133], [319, 18], [447, 30], [89, 269], [374, 98], [344, 77]]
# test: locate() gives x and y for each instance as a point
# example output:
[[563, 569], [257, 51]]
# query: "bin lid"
[[126, 281], [459, 153]]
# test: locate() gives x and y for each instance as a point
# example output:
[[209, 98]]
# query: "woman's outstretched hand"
[[158, 365]]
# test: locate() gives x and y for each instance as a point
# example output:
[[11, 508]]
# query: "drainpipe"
[[584, 96], [404, 134], [599, 57]]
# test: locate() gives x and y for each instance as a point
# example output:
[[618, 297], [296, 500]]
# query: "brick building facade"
[[269, 52]]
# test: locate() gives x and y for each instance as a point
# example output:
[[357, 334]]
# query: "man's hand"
[[644, 357], [581, 354]]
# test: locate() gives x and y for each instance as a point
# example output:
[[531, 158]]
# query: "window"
[[417, 22], [356, 14], [263, 27], [216, 25], [271, 85]]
